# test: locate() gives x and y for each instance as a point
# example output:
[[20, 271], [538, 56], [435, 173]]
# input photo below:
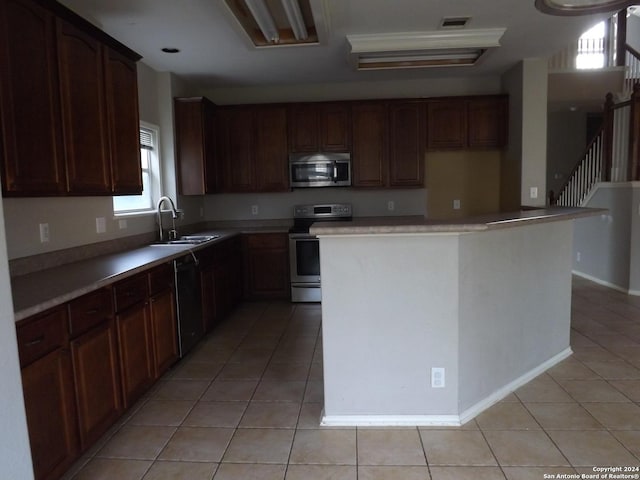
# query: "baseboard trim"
[[501, 393], [389, 420], [604, 283], [441, 420]]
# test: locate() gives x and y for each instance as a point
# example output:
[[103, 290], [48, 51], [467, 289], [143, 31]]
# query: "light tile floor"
[[246, 403]]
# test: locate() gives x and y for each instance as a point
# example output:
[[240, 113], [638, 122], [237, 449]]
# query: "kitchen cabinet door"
[[304, 128], [407, 144], [164, 331], [447, 120], [271, 160], [124, 123], [51, 414], [335, 127], [370, 143], [97, 381], [82, 80], [488, 122], [267, 266], [31, 153], [47, 383], [162, 310], [136, 358], [195, 146], [238, 166]]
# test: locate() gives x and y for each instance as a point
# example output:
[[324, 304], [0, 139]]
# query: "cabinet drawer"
[[160, 278], [131, 291], [41, 334], [89, 310], [267, 240]]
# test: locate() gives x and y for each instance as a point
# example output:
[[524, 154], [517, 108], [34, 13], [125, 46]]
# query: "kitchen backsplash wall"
[[366, 203]]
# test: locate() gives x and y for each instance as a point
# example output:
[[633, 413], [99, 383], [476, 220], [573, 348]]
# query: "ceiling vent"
[[271, 23], [422, 49], [454, 22]]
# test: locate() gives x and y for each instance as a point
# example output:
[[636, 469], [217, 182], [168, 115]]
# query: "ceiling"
[[215, 52]]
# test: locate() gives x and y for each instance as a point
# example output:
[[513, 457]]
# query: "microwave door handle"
[[335, 172]]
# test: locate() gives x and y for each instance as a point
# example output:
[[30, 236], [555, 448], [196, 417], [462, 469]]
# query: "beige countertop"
[[419, 224], [36, 292]]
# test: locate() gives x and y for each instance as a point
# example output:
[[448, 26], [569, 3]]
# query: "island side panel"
[[389, 314], [515, 306]]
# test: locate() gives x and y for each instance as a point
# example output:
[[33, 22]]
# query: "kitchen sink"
[[187, 240]]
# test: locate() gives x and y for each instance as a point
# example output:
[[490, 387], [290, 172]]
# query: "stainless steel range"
[[304, 248]]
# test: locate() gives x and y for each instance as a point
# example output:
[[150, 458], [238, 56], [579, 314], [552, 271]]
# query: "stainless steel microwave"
[[320, 170]]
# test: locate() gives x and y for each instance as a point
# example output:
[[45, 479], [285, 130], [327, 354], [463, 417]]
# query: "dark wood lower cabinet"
[[164, 331], [135, 348], [51, 414], [97, 382], [266, 259]]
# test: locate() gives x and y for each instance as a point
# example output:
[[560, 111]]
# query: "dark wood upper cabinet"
[[370, 132], [320, 127], [407, 143], [195, 124], [488, 126], [304, 128], [253, 148], [31, 146], [81, 70], [447, 123], [335, 127], [468, 122], [237, 148], [124, 124], [271, 159], [68, 105]]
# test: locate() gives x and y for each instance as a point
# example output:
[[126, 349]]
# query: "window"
[[591, 51], [150, 163]]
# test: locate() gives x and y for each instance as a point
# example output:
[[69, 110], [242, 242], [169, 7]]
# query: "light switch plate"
[[44, 233], [533, 192], [456, 204]]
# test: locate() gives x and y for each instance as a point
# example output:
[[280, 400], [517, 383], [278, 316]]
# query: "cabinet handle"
[[93, 311], [35, 341]]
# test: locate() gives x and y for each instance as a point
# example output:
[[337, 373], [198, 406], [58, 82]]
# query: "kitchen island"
[[430, 323]]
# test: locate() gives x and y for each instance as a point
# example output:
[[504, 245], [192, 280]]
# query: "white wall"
[[366, 203], [633, 32], [15, 454], [566, 141], [604, 242], [515, 302]]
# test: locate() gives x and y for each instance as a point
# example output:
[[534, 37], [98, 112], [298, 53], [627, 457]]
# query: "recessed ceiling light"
[[170, 50]]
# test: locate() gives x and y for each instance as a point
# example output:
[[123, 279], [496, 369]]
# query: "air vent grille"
[[454, 22]]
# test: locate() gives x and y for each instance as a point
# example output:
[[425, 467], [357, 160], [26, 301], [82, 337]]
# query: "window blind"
[[146, 139]]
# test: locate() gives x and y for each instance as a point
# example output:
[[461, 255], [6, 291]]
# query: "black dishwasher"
[[189, 301]]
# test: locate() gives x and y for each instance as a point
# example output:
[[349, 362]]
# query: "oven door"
[[304, 251]]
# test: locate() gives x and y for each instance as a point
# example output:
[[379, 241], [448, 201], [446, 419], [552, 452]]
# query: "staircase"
[[613, 154]]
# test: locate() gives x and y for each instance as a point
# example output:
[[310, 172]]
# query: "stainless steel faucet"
[[174, 214]]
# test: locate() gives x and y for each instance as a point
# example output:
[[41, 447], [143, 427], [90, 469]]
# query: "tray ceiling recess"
[[274, 23], [581, 7], [430, 49]]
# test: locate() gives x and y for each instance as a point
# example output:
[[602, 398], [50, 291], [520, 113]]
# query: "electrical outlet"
[[437, 377], [578, 256], [101, 225], [456, 204], [122, 224], [391, 205], [254, 209], [44, 233], [533, 192]]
